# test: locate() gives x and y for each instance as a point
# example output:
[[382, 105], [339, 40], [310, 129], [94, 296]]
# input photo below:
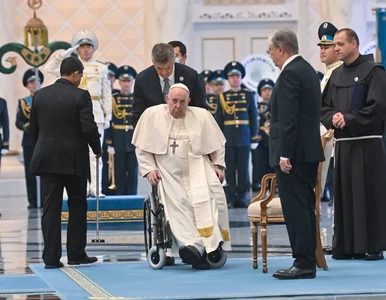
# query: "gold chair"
[[268, 210]]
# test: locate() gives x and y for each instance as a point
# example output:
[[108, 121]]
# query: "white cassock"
[[189, 189]]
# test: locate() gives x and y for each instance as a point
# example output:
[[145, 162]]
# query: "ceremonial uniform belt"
[[123, 127], [359, 138], [236, 122], [96, 98]]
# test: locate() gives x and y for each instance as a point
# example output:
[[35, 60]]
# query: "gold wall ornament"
[[35, 4], [35, 27]]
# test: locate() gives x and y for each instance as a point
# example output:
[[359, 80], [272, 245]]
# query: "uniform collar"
[[334, 65]]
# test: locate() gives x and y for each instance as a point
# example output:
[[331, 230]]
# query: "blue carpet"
[[236, 279], [23, 284]]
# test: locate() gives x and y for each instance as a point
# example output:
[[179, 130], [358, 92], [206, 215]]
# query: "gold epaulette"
[[26, 109], [118, 113]]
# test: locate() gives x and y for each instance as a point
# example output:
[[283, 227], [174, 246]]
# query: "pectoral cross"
[[174, 146]]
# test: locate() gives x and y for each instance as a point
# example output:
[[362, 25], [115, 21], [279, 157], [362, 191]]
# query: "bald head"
[[178, 100]]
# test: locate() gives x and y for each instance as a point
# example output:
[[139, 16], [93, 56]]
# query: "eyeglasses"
[[269, 50]]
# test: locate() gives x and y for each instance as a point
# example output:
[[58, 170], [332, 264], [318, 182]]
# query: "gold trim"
[[25, 126], [96, 98], [217, 39], [225, 235], [26, 109], [5, 143], [83, 83], [111, 215], [241, 109], [123, 127], [230, 110], [86, 283], [206, 232], [236, 122]]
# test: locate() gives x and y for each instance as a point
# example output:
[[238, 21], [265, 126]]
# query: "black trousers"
[[126, 173], [29, 178], [52, 193], [236, 173], [297, 196]]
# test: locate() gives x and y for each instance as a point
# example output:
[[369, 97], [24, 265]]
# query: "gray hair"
[[162, 53], [287, 39]]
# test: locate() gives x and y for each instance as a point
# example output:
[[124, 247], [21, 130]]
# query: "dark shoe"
[[327, 250], [202, 266], [295, 273], [54, 266], [170, 261], [190, 255], [230, 206], [325, 199], [32, 206], [359, 256], [374, 256], [84, 261], [342, 256]]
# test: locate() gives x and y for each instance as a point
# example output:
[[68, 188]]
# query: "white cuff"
[[283, 158]]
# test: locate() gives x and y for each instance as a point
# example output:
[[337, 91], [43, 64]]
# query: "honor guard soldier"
[[205, 74], [260, 156], [112, 68], [120, 134], [238, 120], [4, 127], [216, 83], [96, 80], [329, 57], [22, 123]]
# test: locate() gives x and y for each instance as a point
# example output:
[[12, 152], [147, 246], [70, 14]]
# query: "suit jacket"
[[62, 126], [295, 115], [147, 89]]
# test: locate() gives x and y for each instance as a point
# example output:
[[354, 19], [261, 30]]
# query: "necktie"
[[166, 87]]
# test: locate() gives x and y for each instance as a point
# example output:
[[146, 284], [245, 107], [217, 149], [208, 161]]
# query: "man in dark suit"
[[152, 84], [296, 149], [62, 126]]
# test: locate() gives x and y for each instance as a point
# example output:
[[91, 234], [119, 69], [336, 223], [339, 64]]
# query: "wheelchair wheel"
[[156, 258], [217, 260]]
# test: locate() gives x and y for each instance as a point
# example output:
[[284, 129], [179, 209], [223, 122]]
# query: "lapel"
[[154, 82], [179, 74]]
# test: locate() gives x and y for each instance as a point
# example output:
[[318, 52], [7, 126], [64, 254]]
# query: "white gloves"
[[254, 146], [4, 151], [110, 150], [107, 124], [69, 51]]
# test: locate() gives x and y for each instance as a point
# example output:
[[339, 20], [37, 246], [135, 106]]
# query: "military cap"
[[112, 68], [29, 75], [265, 83], [234, 67], [205, 74], [320, 75], [85, 37], [216, 76], [126, 73], [326, 33]]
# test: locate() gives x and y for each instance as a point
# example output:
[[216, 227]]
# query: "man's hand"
[[69, 51], [338, 121], [110, 150], [254, 146], [107, 124], [259, 137], [285, 165], [219, 173], [4, 151], [154, 177], [99, 155]]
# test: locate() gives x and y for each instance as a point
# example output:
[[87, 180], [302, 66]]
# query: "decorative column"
[[164, 21]]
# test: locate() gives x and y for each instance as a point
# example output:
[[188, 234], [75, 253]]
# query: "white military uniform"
[[95, 80]]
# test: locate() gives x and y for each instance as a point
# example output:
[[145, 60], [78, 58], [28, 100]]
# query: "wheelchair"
[[159, 238]]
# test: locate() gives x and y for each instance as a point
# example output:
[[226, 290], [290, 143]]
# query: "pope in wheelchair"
[[180, 149]]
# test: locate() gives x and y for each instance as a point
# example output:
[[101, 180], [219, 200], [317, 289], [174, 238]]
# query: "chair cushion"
[[273, 209]]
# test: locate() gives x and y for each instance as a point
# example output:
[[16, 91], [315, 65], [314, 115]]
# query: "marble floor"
[[21, 242]]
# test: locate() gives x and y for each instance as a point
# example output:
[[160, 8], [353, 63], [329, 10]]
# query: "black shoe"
[[342, 256], [84, 261], [325, 199], [32, 206], [54, 266], [170, 261], [190, 255], [374, 256], [295, 273], [327, 250]]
